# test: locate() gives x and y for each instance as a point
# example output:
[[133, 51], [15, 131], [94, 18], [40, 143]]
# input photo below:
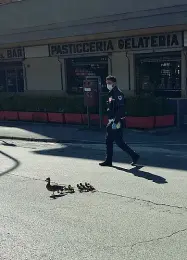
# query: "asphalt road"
[[136, 213]]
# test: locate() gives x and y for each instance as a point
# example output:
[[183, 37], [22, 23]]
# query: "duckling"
[[53, 188], [80, 188], [71, 189], [89, 187], [84, 188]]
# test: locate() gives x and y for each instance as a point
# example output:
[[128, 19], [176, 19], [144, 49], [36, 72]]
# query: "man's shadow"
[[146, 175]]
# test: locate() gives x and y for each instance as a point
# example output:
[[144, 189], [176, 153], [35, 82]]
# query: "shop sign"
[[169, 40], [12, 53]]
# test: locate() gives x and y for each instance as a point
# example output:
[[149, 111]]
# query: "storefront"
[[11, 70], [82, 60], [142, 64]]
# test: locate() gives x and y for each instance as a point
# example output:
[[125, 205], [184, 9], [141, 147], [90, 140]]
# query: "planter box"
[[10, 115], [140, 122], [84, 119], [164, 121], [105, 120], [40, 117], [94, 119], [25, 116], [56, 117], [73, 118], [2, 115]]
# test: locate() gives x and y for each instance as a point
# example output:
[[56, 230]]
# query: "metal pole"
[[100, 109], [88, 114], [178, 114], [129, 71]]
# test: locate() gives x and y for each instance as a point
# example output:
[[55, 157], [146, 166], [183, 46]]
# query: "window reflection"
[[160, 75], [78, 69]]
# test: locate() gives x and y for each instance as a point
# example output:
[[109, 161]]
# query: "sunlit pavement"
[[137, 213]]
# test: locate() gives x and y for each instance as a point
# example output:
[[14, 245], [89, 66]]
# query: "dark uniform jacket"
[[116, 104]]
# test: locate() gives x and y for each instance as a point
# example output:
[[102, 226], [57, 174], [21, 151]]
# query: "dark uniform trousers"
[[117, 137]]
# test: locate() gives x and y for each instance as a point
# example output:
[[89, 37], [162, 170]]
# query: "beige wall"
[[43, 74], [120, 69]]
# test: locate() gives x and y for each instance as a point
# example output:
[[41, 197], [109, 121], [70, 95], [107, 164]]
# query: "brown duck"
[[53, 188]]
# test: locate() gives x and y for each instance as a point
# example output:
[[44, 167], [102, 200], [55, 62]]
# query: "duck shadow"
[[136, 171], [58, 196], [8, 144]]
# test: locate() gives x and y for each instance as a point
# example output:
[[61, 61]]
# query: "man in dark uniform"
[[114, 129]]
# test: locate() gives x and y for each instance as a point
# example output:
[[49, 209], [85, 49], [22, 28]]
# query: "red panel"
[[40, 117], [25, 116], [56, 117], [2, 115], [84, 119], [105, 120], [94, 119], [73, 118], [140, 122], [164, 121], [11, 115]]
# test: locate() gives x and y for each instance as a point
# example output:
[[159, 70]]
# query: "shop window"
[[78, 69], [2, 80], [11, 78], [159, 75]]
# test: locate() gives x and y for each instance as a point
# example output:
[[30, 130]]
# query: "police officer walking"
[[114, 129]]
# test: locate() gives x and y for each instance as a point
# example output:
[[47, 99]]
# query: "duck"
[[53, 188]]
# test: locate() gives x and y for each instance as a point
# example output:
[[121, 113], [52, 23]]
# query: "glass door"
[[78, 69], [11, 77], [20, 80]]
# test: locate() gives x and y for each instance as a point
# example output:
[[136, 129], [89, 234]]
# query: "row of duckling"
[[85, 188], [68, 189]]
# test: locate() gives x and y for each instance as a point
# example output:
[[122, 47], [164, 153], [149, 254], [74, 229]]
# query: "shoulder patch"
[[120, 97]]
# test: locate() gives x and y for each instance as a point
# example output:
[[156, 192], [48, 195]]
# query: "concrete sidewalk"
[[58, 133]]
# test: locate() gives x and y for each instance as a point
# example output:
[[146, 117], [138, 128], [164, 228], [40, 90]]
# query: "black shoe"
[[135, 159], [106, 163]]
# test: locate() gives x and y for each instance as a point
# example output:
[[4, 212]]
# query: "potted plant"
[[73, 107], [140, 113]]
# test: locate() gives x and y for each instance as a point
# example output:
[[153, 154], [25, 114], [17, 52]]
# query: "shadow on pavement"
[[8, 144], [57, 196], [16, 164], [136, 171], [156, 159], [61, 132]]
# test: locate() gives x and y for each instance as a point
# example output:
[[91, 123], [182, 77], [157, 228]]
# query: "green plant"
[[134, 106]]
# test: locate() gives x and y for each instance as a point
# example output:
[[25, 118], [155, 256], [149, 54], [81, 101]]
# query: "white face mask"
[[109, 86]]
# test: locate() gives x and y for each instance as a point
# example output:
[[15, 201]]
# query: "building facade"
[[50, 50]]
